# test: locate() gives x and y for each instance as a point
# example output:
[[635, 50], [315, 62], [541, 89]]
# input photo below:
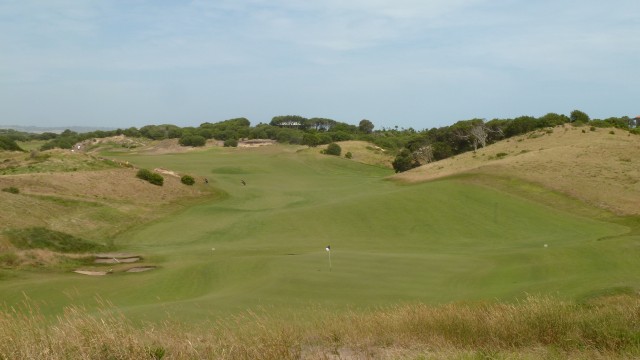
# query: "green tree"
[[7, 143], [231, 143], [310, 139], [333, 149], [365, 126], [578, 116], [192, 140], [404, 161]]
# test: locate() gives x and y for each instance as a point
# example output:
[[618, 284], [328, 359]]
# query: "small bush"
[[9, 259], [187, 180], [348, 155], [43, 238], [333, 149], [501, 155], [192, 140], [154, 178], [12, 190], [612, 132], [593, 128], [231, 143]]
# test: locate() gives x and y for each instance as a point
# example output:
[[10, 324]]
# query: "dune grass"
[[534, 328]]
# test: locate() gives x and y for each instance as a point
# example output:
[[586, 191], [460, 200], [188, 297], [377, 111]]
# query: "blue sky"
[[406, 63]]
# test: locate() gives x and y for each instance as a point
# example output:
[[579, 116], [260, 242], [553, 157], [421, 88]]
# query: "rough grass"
[[43, 238], [51, 161], [536, 327], [594, 167]]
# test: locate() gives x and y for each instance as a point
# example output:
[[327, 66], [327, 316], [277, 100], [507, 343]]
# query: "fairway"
[[263, 244]]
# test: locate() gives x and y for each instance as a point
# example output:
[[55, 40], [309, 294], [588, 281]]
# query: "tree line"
[[412, 147]]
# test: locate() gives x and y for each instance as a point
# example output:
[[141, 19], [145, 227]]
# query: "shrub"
[[348, 155], [612, 132], [404, 161], [187, 180], [154, 178], [501, 155], [9, 259], [333, 149], [7, 143], [192, 140], [231, 143], [593, 128], [12, 190], [43, 238]]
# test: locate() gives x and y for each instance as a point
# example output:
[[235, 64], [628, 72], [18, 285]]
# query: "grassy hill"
[[599, 167], [487, 234]]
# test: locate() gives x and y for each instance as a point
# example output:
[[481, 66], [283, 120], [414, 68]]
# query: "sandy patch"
[[256, 143], [92, 273], [141, 269], [116, 260], [166, 172]]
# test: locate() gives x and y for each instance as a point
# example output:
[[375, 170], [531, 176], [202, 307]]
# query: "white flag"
[[328, 248]]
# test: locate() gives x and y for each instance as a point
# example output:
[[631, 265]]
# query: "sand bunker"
[[256, 143], [141, 269], [92, 273], [115, 260]]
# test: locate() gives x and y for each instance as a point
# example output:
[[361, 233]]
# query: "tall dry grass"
[[537, 327]]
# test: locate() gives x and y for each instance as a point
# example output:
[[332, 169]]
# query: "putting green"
[[263, 245]]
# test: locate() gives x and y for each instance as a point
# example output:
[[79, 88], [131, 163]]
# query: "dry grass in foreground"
[[535, 328]]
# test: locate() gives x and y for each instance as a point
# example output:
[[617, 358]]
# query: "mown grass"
[[536, 327]]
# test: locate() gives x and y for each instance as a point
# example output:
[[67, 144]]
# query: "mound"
[[361, 151], [87, 203], [599, 167]]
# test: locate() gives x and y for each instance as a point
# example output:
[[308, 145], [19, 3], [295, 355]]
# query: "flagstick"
[[329, 260]]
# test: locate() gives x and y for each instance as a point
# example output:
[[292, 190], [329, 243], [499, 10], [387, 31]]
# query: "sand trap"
[[141, 268], [91, 273], [256, 143], [166, 172], [115, 260], [115, 255]]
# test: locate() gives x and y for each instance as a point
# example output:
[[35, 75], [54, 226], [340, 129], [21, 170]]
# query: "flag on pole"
[[328, 248]]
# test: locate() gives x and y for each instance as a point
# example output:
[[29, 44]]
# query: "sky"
[[407, 63]]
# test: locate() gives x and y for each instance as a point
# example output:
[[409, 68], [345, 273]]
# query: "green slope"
[[432, 242]]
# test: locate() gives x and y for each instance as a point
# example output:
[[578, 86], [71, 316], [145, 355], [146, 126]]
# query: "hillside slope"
[[94, 202], [600, 168]]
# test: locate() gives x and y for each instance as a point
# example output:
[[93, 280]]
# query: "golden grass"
[[361, 151], [88, 203], [537, 327], [596, 167]]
